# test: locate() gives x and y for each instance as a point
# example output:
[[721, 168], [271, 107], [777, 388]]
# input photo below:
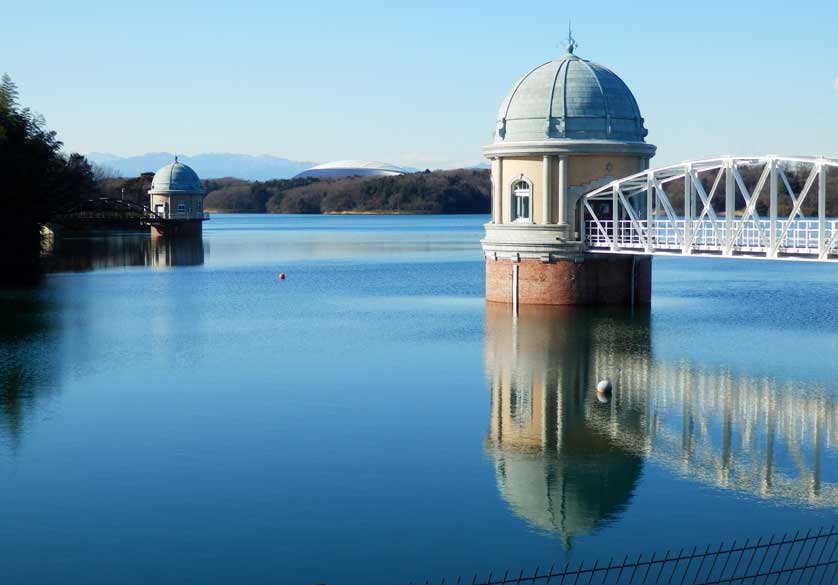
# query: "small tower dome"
[[570, 98], [176, 177]]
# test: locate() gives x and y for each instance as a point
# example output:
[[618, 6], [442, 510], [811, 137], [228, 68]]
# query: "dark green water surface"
[[171, 412]]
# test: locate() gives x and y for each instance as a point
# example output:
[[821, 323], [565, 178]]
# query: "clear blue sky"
[[413, 83]]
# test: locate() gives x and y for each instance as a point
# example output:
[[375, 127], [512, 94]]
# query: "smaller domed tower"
[[566, 128], [177, 198]]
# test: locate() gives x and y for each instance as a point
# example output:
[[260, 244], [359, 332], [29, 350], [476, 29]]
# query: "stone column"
[[507, 201], [562, 215], [497, 192], [548, 189]]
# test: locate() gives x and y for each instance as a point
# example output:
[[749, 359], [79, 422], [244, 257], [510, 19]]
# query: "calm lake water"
[[172, 413]]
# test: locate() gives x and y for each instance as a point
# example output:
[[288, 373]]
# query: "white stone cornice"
[[542, 147], [543, 242]]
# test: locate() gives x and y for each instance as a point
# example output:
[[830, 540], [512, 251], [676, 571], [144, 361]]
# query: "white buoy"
[[604, 387]]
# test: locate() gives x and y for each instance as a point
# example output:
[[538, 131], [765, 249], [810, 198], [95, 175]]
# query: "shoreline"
[[384, 212]]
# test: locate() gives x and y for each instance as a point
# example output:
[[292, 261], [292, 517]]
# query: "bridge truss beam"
[[637, 215]]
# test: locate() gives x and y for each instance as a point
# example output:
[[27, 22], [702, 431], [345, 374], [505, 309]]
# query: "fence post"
[[730, 206], [688, 208], [773, 245], [650, 213], [583, 228], [615, 217], [821, 209]]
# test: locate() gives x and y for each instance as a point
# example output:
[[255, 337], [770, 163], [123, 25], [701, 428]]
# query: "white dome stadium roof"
[[352, 168]]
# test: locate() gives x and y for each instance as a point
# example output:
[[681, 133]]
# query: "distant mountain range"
[[208, 166], [263, 167]]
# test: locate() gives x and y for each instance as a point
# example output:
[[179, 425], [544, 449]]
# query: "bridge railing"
[[186, 215], [801, 237], [108, 210], [718, 209]]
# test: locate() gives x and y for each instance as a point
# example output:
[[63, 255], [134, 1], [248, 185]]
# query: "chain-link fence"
[[799, 559]]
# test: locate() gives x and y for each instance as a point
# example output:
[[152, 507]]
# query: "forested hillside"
[[796, 176], [459, 191]]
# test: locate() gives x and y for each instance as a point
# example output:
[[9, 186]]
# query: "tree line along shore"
[[440, 192], [40, 180], [456, 191]]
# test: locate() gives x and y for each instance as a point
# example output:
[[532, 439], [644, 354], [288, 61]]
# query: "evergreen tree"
[[8, 93], [35, 181]]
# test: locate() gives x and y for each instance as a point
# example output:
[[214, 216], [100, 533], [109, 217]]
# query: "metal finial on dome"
[[571, 42]]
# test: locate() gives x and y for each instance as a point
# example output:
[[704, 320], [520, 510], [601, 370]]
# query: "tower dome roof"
[[176, 177], [570, 99]]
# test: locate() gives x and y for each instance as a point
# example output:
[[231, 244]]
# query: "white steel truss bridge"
[[720, 213]]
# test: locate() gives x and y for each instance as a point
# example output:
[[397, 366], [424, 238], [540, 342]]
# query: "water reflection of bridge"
[[568, 463], [117, 251], [738, 432]]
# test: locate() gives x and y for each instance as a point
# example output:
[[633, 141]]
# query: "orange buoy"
[[281, 276]]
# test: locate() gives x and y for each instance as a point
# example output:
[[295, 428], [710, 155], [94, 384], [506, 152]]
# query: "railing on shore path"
[[110, 210], [801, 559]]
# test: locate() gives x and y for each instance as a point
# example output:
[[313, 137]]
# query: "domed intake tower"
[[566, 128], [177, 198]]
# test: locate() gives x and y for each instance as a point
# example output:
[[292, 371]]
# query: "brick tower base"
[[587, 279], [179, 227]]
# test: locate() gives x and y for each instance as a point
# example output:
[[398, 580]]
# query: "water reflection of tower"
[[555, 469], [176, 251], [733, 429], [117, 251]]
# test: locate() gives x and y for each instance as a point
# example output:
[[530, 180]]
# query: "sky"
[[413, 83]]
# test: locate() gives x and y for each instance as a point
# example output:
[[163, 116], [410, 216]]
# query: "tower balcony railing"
[[203, 215]]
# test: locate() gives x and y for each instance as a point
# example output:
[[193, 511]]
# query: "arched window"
[[521, 196]]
